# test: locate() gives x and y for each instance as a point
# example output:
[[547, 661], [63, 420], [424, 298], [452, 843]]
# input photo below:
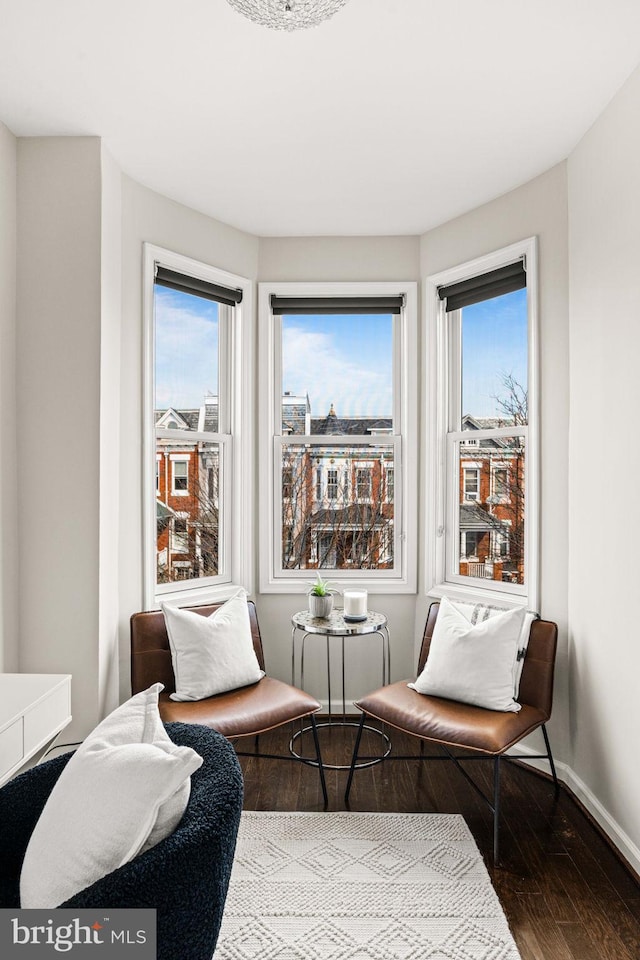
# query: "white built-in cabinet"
[[34, 708]]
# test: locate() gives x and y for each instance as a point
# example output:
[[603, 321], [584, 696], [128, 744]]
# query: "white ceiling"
[[392, 117]]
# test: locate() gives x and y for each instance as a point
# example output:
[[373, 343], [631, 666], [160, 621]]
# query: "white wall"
[[109, 507], [537, 208], [324, 259], [59, 349], [8, 465], [147, 216], [341, 259], [604, 244]]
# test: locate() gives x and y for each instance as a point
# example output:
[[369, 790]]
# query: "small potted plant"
[[320, 597]]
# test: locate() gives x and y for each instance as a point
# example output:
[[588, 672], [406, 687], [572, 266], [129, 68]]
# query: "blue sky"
[[494, 344], [186, 349], [344, 360]]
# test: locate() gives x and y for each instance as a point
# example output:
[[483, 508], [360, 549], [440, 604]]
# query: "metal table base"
[[336, 626]]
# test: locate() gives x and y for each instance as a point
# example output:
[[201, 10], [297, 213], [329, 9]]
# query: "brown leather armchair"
[[245, 712], [453, 726]]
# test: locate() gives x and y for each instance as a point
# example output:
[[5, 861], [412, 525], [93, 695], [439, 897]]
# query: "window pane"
[[494, 362], [337, 512], [180, 538], [180, 475], [471, 478], [337, 370], [501, 483], [187, 527], [389, 476], [186, 360], [492, 510]]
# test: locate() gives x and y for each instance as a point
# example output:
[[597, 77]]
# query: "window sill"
[[478, 594], [194, 596], [353, 580]]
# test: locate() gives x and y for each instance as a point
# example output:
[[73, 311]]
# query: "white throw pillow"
[[123, 790], [211, 654], [473, 664], [476, 612]]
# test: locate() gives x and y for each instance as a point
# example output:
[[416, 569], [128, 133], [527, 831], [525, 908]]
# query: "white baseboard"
[[618, 837]]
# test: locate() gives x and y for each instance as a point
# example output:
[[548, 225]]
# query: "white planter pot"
[[320, 606]]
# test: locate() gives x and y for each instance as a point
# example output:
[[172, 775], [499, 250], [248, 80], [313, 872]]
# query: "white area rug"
[[360, 886]]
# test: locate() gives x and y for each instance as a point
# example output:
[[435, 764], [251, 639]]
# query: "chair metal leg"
[[354, 758], [550, 759], [496, 811], [316, 741]]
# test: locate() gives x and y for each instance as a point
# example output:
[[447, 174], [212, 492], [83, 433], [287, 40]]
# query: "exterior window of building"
[[485, 317], [287, 542], [180, 542], [470, 543], [363, 483], [287, 482], [389, 479], [501, 545], [193, 419], [500, 485], [180, 473], [336, 422], [332, 483], [471, 483]]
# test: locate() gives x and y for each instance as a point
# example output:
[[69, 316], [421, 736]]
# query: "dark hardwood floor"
[[565, 893]]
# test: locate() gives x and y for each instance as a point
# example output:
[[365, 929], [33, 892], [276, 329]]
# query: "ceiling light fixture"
[[287, 14]]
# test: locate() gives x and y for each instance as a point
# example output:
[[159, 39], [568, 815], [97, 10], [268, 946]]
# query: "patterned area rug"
[[360, 886]]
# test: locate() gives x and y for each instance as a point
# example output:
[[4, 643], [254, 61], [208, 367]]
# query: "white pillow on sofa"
[[211, 654], [123, 790], [473, 663]]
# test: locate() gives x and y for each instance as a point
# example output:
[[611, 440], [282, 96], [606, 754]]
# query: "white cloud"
[[186, 352], [356, 384]]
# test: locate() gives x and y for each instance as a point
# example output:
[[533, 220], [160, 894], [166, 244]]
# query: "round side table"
[[303, 627]]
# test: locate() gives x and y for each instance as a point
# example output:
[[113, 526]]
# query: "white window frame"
[[333, 482], [402, 579], [444, 446], [465, 553], [179, 458], [365, 466], [505, 496], [185, 541], [234, 438], [389, 481], [470, 468]]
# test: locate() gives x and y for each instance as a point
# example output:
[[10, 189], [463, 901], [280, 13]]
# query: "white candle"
[[355, 603]]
